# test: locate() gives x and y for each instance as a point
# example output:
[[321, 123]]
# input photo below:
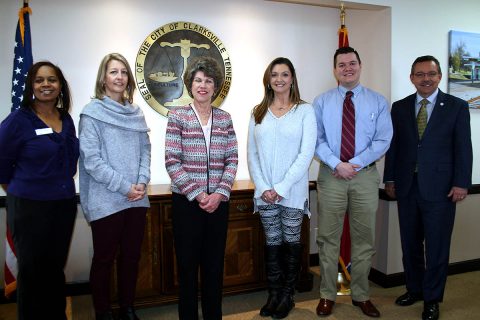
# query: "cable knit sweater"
[[191, 170], [279, 151], [114, 154]]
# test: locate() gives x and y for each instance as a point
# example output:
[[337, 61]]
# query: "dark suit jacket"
[[444, 154]]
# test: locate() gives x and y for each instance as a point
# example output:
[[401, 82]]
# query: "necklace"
[[283, 108], [204, 115], [50, 117], [45, 113]]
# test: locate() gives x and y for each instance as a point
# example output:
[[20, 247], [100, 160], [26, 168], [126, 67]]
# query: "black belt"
[[368, 166], [323, 164]]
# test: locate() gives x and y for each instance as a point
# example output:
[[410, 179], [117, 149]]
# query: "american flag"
[[22, 61], [23, 56]]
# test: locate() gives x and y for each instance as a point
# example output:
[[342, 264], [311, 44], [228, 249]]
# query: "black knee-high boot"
[[293, 256], [273, 255]]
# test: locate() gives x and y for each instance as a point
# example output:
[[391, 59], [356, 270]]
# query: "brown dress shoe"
[[367, 308], [324, 307]]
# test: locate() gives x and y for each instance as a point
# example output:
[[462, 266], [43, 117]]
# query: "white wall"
[[77, 34], [421, 27], [465, 236]]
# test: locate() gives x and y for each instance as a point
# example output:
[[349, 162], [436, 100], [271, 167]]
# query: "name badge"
[[41, 132]]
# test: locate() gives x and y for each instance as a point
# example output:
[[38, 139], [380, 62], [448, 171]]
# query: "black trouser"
[[200, 239], [426, 231], [41, 232]]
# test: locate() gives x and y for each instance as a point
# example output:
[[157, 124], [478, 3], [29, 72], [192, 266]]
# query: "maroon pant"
[[123, 232]]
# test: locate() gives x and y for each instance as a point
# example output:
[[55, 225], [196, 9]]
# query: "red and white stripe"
[[10, 265]]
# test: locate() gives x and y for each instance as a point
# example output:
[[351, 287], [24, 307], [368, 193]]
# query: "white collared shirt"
[[207, 130]]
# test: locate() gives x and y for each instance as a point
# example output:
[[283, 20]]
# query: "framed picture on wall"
[[464, 66]]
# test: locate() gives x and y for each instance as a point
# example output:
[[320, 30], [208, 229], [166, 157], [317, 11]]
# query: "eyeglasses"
[[423, 74]]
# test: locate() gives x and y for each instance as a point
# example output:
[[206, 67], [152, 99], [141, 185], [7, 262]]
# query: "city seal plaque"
[[163, 57]]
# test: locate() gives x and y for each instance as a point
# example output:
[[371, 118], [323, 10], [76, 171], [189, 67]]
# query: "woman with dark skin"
[[37, 164]]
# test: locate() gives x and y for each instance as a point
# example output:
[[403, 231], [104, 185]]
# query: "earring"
[[268, 86], [291, 86]]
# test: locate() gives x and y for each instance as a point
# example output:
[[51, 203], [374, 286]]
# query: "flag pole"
[[342, 15], [342, 32], [343, 277], [343, 41], [22, 61]]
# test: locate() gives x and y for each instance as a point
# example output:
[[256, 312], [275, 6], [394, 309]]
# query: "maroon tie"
[[348, 129]]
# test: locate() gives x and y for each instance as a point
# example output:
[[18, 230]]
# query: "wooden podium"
[[244, 257]]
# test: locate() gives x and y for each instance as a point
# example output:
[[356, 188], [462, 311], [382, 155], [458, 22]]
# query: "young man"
[[354, 131]]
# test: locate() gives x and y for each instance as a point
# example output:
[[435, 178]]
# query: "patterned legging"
[[281, 224]]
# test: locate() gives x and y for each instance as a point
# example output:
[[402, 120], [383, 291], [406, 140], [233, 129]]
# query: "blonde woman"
[[114, 173]]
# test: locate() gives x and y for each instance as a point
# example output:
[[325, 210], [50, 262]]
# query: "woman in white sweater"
[[281, 144]]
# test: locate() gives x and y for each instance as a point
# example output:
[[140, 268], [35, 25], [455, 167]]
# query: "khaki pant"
[[359, 197]]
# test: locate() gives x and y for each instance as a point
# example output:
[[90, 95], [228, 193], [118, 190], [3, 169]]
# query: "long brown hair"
[[261, 109]]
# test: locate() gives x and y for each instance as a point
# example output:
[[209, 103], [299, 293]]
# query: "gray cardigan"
[[114, 154]]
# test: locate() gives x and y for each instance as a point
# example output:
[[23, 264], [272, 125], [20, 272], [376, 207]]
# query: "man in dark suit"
[[428, 168]]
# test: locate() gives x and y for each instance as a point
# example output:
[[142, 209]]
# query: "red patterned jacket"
[[191, 171]]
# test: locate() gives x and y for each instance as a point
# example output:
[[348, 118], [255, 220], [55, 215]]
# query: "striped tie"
[[348, 129], [422, 118]]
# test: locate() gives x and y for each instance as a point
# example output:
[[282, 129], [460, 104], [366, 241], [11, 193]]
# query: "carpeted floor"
[[460, 303]]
